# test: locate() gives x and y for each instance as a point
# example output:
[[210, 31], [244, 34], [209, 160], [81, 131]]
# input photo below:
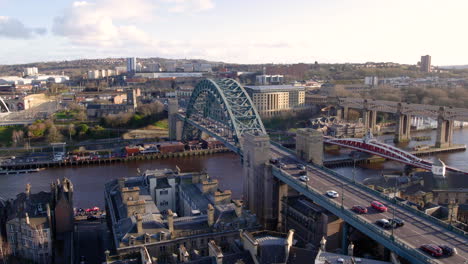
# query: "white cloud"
[[13, 28], [104, 22], [180, 6], [115, 23]]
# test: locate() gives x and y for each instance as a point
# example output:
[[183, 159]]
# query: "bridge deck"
[[414, 233]]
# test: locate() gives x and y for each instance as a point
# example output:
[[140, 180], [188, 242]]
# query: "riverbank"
[[110, 160]]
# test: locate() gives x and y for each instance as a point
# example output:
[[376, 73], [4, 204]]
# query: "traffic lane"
[[416, 225], [321, 185], [412, 231]]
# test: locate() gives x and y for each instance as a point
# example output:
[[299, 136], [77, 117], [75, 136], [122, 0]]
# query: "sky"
[[236, 31]]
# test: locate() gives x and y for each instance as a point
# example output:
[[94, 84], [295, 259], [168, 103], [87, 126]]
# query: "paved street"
[[414, 233]]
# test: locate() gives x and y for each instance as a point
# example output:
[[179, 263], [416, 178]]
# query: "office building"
[[274, 100], [154, 67], [131, 65], [188, 67], [171, 213], [269, 79], [94, 74], [30, 71], [426, 63], [371, 80], [202, 67]]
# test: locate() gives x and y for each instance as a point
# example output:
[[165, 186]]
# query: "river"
[[89, 181]]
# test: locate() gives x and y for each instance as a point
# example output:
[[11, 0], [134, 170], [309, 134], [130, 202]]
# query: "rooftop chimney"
[[28, 190], [27, 218], [139, 220], [351, 249], [238, 209], [121, 183], [170, 222], [210, 215]]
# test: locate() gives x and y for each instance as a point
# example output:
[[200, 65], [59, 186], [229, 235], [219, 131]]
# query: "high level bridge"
[[222, 109], [403, 111]]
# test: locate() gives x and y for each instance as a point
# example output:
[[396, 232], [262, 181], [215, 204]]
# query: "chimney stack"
[[238, 209], [28, 190], [139, 220], [27, 218], [351, 249], [210, 215], [170, 222], [121, 183]]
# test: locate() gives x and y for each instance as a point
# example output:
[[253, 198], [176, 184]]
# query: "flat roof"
[[276, 88]]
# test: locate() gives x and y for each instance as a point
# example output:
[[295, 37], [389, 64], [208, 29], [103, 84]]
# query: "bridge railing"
[[350, 217], [382, 196]]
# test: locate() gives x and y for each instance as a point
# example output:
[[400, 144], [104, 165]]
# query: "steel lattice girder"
[[227, 102]]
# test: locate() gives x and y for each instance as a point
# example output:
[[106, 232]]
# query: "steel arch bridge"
[[224, 108], [370, 145]]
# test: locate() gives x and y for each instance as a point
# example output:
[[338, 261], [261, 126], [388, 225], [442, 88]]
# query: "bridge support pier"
[[309, 145], [283, 191], [260, 186], [370, 120], [175, 125], [345, 238], [403, 129], [444, 133]]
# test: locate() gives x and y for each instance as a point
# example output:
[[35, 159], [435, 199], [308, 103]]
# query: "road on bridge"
[[415, 232]]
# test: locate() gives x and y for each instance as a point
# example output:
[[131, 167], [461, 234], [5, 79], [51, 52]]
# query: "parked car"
[[432, 249], [91, 218], [383, 223], [332, 194], [301, 167], [396, 222], [359, 209], [379, 206], [304, 178], [448, 250]]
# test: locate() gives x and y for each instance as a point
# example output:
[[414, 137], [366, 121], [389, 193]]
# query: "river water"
[[226, 167]]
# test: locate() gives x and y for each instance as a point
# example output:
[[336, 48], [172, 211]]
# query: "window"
[[163, 192], [163, 203]]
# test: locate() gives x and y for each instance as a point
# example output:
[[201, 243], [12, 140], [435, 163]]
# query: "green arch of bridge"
[[227, 102]]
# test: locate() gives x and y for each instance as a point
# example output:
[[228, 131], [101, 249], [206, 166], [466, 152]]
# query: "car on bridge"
[[302, 172], [448, 250], [379, 206], [383, 223], [301, 167], [332, 194], [359, 209], [432, 249], [396, 222], [304, 178]]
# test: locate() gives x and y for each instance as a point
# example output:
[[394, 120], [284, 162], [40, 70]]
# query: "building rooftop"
[[275, 88]]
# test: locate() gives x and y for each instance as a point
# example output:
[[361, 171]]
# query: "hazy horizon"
[[242, 32]]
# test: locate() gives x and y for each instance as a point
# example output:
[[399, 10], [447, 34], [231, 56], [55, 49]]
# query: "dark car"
[[303, 172], [383, 223], [359, 209], [91, 218], [396, 222], [273, 161], [432, 249], [448, 250]]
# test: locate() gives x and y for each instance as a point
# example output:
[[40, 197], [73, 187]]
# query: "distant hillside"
[[456, 67]]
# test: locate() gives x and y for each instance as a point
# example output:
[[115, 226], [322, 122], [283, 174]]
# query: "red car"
[[359, 209], [379, 206], [432, 249]]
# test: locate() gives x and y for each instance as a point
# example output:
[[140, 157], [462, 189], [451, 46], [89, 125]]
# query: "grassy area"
[[162, 124], [65, 114], [5, 134]]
